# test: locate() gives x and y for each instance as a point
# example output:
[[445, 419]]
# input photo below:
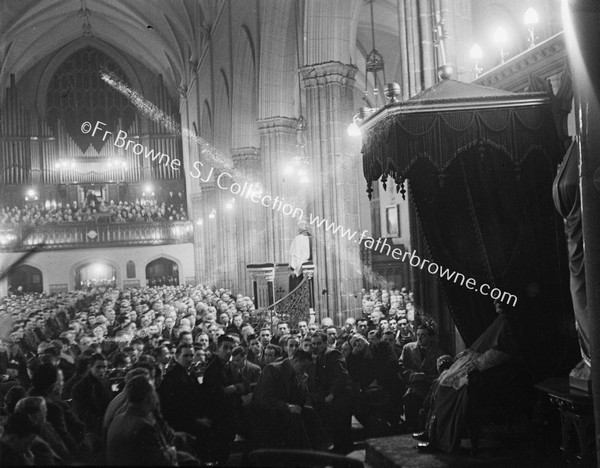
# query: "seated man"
[[377, 386], [418, 370], [427, 414], [271, 353], [134, 438], [91, 397], [490, 350], [245, 373], [224, 400], [17, 439], [405, 333], [182, 401], [255, 350], [332, 392], [279, 406]]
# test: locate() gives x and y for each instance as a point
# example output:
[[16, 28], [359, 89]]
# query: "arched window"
[[27, 277], [130, 269]]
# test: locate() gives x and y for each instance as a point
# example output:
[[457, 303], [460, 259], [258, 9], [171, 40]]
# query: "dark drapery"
[[481, 181]]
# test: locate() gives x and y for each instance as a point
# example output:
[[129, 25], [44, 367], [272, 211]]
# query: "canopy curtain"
[[481, 184]]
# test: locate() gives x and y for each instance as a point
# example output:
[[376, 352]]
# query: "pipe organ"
[[47, 147]]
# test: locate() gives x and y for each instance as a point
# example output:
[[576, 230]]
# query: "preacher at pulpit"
[[300, 253]]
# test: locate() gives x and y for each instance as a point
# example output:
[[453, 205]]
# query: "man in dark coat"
[[333, 394], [134, 437], [181, 397], [224, 398], [418, 369], [255, 351], [91, 397], [279, 406]]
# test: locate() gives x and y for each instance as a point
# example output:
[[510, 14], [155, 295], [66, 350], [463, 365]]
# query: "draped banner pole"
[[581, 18]]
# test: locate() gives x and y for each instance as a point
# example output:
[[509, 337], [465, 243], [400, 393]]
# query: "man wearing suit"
[[418, 371], [224, 398], [12, 355], [279, 406], [91, 397], [255, 351], [181, 398], [245, 373], [333, 394], [169, 333], [134, 438]]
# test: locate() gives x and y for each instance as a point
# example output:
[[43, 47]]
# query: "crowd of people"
[[94, 210], [173, 374]]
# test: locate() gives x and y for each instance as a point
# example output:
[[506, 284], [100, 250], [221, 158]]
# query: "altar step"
[[401, 452]]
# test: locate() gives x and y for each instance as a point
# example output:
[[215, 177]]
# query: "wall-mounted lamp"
[[477, 55], [530, 19], [500, 39]]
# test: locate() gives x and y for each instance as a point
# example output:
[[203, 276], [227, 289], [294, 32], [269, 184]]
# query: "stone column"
[[206, 236], [277, 143], [250, 217], [333, 195], [228, 250], [198, 217]]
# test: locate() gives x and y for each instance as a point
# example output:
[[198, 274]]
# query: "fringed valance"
[[394, 143]]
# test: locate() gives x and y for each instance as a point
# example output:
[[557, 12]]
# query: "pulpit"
[[272, 296]]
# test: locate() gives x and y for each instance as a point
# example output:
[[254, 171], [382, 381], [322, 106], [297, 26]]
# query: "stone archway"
[[161, 272], [95, 273], [29, 278]]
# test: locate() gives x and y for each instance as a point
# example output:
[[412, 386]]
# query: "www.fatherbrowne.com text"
[[414, 260]]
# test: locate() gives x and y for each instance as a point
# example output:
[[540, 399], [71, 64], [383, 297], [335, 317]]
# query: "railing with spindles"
[[291, 309], [94, 234]]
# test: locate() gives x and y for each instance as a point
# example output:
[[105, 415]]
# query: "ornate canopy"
[[480, 164], [450, 117]]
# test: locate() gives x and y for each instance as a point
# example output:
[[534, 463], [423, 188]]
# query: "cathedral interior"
[[185, 142]]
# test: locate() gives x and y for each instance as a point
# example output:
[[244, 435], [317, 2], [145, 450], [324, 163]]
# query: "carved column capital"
[[241, 155], [197, 197], [277, 125], [321, 74]]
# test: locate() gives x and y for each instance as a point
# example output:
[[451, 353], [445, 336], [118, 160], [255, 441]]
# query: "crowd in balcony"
[[171, 374], [145, 211]]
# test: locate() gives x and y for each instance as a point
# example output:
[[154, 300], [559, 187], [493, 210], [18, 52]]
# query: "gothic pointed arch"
[[222, 112], [162, 271], [123, 62], [245, 92], [77, 93], [206, 122], [28, 278]]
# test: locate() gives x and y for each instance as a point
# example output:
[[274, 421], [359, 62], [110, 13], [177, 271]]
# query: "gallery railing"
[[93, 235]]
